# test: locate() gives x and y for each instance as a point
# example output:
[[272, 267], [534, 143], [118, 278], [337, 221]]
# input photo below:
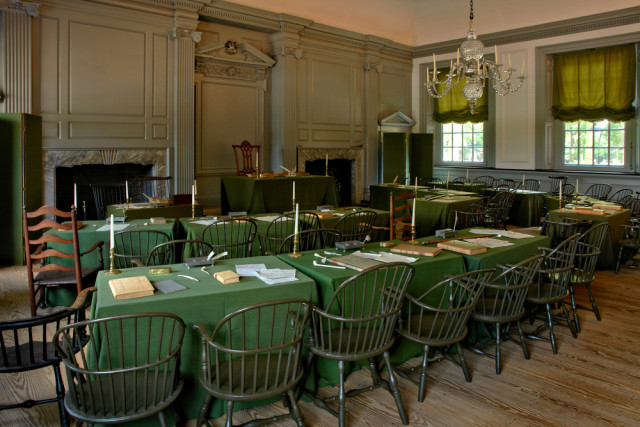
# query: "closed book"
[[462, 247], [588, 211], [608, 207], [131, 287], [405, 248], [354, 262], [158, 220], [227, 276]]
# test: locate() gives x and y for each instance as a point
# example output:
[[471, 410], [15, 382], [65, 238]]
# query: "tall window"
[[594, 144], [463, 142]]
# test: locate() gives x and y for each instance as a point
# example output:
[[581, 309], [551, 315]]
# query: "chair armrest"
[[96, 245], [82, 297]]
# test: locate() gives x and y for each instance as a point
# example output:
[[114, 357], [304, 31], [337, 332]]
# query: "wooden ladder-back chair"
[[255, 353], [53, 254], [400, 213], [245, 160], [129, 368], [357, 323], [26, 344]]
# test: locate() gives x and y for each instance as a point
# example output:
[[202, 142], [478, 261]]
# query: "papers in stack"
[[462, 247], [116, 227], [269, 218], [503, 233], [488, 242], [131, 287], [205, 221], [268, 276]]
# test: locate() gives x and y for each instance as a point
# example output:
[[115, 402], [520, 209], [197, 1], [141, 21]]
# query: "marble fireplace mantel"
[[51, 159], [349, 153]]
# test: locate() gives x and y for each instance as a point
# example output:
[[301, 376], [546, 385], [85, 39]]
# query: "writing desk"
[[251, 195], [206, 301]]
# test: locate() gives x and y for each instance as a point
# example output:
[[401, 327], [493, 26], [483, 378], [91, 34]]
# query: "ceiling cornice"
[[598, 21]]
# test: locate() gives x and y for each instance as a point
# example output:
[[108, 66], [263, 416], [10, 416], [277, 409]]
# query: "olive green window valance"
[[594, 85], [453, 107]]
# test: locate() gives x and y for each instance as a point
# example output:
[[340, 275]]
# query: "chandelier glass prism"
[[475, 69]]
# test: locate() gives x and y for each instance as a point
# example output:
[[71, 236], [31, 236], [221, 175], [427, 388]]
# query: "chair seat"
[[629, 243], [345, 347], [420, 326], [542, 294], [277, 381], [123, 384], [487, 311], [29, 356], [60, 278]]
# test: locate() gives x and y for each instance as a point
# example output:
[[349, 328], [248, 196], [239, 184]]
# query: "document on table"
[[385, 257], [205, 221], [116, 227], [503, 233], [489, 242], [270, 218], [269, 276]]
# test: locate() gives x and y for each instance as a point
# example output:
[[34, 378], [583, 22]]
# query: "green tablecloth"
[[145, 210], [431, 215], [251, 195], [521, 250], [607, 258], [206, 301], [429, 271], [90, 233]]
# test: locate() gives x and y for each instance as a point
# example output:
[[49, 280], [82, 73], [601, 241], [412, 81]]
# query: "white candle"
[[294, 191], [295, 226], [326, 162], [416, 186], [522, 180], [428, 76], [577, 186], [509, 60], [458, 57], [257, 163], [193, 194], [495, 52], [448, 176], [195, 187], [75, 195], [467, 174], [126, 189], [111, 240], [413, 214], [560, 194]]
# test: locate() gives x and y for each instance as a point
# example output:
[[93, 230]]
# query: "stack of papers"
[[116, 227], [268, 276], [385, 257], [503, 233], [488, 242]]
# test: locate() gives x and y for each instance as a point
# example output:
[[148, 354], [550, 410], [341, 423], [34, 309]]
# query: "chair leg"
[[498, 348], [423, 374], [463, 363], [552, 338], [204, 410], [568, 318], [619, 259], [161, 420], [522, 342], [575, 310], [229, 422], [64, 416], [593, 302], [294, 409], [393, 382], [341, 395]]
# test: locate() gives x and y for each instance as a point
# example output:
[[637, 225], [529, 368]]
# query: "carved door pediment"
[[233, 60]]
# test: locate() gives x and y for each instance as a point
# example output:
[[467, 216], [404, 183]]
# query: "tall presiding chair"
[[108, 194], [27, 344], [234, 236], [177, 251], [255, 353], [278, 230], [531, 185], [356, 225], [552, 287], [502, 303], [584, 267], [311, 239], [357, 323], [245, 158], [132, 247], [598, 191], [438, 319], [53, 254], [128, 370]]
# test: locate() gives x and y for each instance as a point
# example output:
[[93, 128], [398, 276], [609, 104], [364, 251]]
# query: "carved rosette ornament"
[[31, 9], [234, 60]]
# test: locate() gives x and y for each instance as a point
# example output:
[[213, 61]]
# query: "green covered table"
[[91, 232], [251, 195], [148, 210], [428, 272], [527, 208], [206, 301], [607, 258]]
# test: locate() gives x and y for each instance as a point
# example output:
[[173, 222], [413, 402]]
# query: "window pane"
[[467, 140], [617, 138], [571, 126], [585, 125], [617, 125], [447, 154], [457, 140], [457, 127], [457, 154], [447, 127], [571, 139], [478, 155], [601, 157], [617, 157], [601, 125], [585, 156], [571, 156], [467, 127], [586, 139], [460, 142]]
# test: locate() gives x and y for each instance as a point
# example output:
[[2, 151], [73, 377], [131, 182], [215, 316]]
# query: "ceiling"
[[419, 22]]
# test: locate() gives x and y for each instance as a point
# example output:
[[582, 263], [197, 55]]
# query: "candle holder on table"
[[193, 210], [295, 252], [294, 207], [413, 235], [112, 270]]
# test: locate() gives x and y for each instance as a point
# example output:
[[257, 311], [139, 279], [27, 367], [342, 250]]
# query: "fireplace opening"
[[86, 175], [340, 169]]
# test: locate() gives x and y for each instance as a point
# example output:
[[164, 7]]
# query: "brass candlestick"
[[413, 235], [294, 208], [84, 209], [193, 210], [326, 170], [112, 270], [295, 252]]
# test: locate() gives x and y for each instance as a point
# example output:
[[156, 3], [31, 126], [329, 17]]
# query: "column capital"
[[178, 33], [30, 8], [282, 51], [369, 66]]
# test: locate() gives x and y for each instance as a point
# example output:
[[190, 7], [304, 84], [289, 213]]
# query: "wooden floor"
[[593, 380]]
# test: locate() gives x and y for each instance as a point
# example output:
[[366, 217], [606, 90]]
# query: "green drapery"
[[453, 107], [595, 85]]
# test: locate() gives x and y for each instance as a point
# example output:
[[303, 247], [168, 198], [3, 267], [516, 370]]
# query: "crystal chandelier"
[[475, 69]]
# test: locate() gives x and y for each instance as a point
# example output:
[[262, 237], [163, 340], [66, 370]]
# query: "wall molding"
[[598, 21]]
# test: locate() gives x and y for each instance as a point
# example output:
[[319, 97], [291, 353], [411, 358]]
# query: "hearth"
[[340, 169]]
